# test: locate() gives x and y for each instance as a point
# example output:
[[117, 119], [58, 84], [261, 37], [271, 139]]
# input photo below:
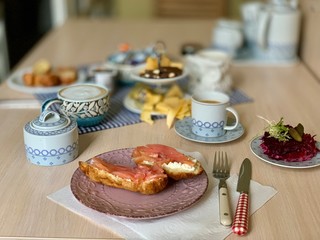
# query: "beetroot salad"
[[287, 143]]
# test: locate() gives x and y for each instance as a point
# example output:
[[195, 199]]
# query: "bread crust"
[[184, 171], [147, 187]]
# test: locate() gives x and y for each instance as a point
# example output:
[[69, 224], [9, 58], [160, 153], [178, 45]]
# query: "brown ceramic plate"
[[177, 196]]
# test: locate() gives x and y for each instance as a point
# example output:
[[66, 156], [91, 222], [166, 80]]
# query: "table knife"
[[241, 218]]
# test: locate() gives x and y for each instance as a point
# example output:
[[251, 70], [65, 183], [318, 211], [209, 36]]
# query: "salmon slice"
[[138, 173], [161, 154], [174, 163], [141, 178]]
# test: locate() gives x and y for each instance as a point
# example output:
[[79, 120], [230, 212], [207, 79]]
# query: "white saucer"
[[258, 152], [183, 129]]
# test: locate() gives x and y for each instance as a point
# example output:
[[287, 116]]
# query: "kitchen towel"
[[201, 221]]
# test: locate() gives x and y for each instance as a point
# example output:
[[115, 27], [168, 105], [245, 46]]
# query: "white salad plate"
[[258, 152], [183, 129], [15, 81], [135, 75]]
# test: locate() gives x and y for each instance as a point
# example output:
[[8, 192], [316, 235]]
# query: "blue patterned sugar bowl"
[[51, 139]]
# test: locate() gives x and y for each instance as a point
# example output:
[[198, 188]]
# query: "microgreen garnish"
[[277, 130]]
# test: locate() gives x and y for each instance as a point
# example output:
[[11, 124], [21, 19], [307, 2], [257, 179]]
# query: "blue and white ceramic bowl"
[[87, 103], [51, 139]]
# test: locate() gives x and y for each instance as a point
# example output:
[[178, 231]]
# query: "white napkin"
[[201, 221]]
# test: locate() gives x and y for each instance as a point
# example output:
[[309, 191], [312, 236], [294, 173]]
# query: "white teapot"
[[278, 30]]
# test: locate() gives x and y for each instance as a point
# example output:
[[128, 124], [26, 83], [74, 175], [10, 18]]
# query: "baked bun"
[[46, 80], [143, 179], [28, 79], [41, 67], [44, 75], [175, 164]]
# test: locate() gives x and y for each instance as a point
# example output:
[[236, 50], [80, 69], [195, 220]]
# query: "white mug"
[[209, 114]]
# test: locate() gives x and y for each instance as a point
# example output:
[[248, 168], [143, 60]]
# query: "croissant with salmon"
[[155, 163], [143, 179]]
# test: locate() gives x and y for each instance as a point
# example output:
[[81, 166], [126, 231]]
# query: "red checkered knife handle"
[[241, 218]]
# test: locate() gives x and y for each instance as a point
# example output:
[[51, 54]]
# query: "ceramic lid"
[[50, 123]]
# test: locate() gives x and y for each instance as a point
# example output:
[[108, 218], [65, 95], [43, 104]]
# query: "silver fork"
[[221, 171]]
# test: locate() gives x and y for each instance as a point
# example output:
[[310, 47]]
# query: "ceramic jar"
[[51, 139], [227, 36]]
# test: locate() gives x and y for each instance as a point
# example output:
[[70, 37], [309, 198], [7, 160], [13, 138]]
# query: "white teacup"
[[209, 114], [87, 103]]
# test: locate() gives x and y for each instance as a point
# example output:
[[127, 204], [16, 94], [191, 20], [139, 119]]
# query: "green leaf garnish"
[[277, 130]]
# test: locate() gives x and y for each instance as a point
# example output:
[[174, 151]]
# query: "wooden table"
[[289, 92]]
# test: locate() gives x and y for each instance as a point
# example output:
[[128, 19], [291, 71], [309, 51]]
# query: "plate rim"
[[165, 214], [17, 85], [278, 162], [211, 142]]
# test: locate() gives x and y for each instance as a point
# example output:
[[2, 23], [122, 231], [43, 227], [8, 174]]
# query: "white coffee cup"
[[209, 114]]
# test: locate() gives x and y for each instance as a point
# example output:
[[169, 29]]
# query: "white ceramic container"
[[51, 139], [227, 36]]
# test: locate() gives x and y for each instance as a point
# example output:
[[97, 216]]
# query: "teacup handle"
[[46, 104], [235, 114]]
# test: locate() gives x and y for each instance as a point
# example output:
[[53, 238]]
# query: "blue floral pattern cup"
[[209, 114], [87, 103]]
